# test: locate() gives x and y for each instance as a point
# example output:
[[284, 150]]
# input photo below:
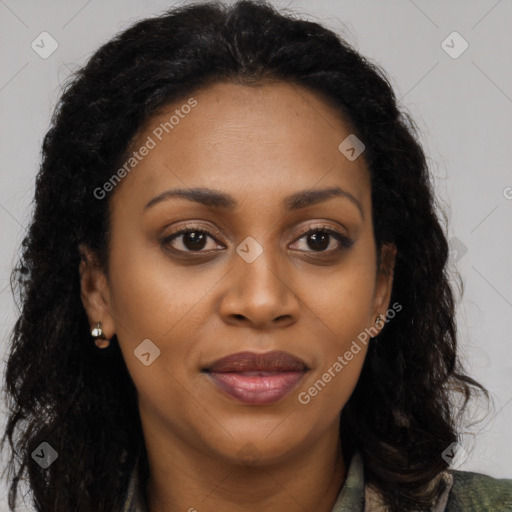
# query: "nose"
[[260, 294]]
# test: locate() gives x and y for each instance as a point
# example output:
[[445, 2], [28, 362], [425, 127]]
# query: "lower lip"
[[267, 388]]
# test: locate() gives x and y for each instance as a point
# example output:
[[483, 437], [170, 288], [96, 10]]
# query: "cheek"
[[341, 302], [152, 300], [333, 382], [152, 296], [340, 311], [341, 315]]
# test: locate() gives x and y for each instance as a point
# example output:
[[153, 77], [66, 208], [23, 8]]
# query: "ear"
[[94, 292], [383, 283]]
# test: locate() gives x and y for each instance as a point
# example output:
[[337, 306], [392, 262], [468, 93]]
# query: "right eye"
[[193, 239]]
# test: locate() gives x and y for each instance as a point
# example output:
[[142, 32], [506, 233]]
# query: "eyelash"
[[344, 241]]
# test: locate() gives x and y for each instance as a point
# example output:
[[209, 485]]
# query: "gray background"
[[463, 107]]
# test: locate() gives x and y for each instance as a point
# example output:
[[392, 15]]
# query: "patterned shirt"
[[354, 496]]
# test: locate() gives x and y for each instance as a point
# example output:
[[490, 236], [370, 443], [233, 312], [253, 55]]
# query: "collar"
[[354, 496]]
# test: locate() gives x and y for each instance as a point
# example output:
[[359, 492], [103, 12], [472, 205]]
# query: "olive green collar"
[[354, 496]]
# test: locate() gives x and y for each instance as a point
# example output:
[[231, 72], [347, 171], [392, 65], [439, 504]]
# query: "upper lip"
[[274, 361]]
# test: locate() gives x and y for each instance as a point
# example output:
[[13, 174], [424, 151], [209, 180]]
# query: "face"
[[245, 276]]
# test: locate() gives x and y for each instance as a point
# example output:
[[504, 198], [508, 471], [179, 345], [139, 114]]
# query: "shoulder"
[[475, 492]]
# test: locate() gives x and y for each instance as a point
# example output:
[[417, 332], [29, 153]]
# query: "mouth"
[[257, 379]]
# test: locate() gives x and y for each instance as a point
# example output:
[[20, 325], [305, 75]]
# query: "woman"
[[233, 290]]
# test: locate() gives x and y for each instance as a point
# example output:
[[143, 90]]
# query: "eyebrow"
[[217, 199]]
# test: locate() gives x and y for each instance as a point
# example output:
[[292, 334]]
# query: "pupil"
[[323, 238], [194, 240]]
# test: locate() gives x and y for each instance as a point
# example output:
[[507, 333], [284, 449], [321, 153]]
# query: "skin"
[[259, 144]]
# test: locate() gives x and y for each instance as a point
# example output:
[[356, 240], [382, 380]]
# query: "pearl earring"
[[101, 341]]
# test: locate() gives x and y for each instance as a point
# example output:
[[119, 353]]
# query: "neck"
[[310, 480]]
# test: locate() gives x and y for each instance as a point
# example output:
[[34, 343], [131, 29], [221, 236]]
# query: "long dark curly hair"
[[405, 409]]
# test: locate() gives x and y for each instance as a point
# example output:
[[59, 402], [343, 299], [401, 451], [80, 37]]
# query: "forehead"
[[246, 140]]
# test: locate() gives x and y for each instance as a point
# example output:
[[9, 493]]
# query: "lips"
[[275, 361], [257, 379]]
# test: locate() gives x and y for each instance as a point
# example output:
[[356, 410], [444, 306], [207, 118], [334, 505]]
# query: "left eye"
[[195, 240], [320, 238]]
